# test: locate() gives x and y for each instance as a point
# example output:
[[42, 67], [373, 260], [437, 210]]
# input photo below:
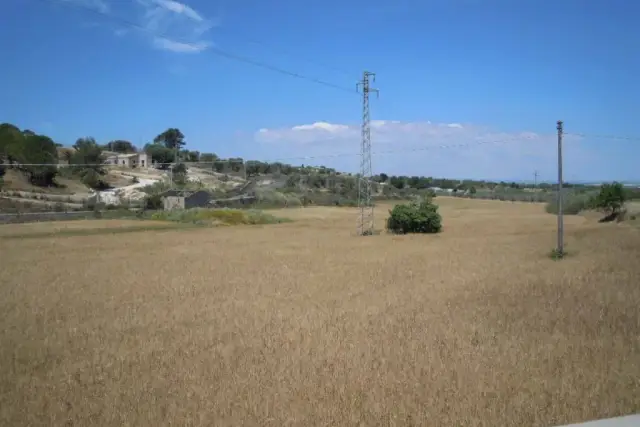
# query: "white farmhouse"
[[132, 160]]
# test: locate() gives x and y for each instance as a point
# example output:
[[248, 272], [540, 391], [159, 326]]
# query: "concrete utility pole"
[[560, 248], [175, 163], [365, 218]]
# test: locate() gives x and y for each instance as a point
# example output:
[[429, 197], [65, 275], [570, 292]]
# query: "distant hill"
[[34, 162]]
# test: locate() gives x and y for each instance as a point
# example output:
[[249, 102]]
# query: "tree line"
[[25, 150]]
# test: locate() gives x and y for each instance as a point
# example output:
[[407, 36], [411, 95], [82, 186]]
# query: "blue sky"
[[449, 72]]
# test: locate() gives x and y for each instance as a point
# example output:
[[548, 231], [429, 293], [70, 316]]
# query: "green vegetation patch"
[[419, 216], [224, 216]]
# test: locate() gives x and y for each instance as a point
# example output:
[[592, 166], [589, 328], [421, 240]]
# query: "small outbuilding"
[[181, 199]]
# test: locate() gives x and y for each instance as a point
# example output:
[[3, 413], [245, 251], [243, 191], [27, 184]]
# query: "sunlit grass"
[[305, 324]]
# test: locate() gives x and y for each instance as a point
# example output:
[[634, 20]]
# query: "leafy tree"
[[66, 154], [27, 149], [189, 156], [88, 161], [236, 163], [208, 157], [416, 217], [120, 146], [472, 190], [179, 174], [171, 138], [3, 170], [413, 181], [220, 166], [384, 177], [160, 154], [11, 142], [611, 198], [397, 181], [153, 202], [39, 150]]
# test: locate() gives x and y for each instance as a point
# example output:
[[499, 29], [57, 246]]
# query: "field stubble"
[[304, 324]]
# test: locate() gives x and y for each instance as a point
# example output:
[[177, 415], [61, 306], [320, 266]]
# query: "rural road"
[[113, 196]]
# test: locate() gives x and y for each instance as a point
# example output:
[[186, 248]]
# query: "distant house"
[[180, 199], [132, 160]]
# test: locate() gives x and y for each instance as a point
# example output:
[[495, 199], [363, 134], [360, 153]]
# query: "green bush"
[[611, 198], [153, 202], [573, 204], [415, 217], [218, 216], [272, 198]]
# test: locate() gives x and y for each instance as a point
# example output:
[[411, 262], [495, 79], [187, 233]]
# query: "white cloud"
[[174, 46], [175, 26], [425, 148], [167, 24], [180, 8], [321, 126]]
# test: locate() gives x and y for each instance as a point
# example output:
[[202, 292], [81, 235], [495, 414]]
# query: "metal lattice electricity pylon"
[[365, 216]]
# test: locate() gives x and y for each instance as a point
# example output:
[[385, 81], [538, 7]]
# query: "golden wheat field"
[[304, 324]]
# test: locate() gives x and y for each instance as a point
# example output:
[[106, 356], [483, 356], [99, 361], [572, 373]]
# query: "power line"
[[213, 50], [289, 53], [286, 159], [620, 137]]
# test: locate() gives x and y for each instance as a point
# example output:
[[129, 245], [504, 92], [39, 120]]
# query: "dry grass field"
[[61, 227], [303, 324]]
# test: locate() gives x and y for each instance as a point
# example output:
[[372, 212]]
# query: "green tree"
[[88, 162], [236, 164], [179, 174], [35, 155], [397, 181], [39, 155], [171, 138], [11, 142], [611, 198], [160, 154], [189, 156], [208, 157], [472, 190], [3, 170], [414, 182], [416, 217], [66, 154], [120, 146]]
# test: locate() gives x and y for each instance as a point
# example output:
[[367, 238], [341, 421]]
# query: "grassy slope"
[[17, 181]]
